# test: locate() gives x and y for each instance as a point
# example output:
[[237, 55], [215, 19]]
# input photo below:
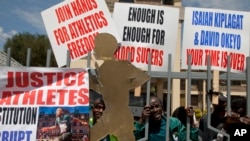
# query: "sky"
[[18, 16], [238, 5]]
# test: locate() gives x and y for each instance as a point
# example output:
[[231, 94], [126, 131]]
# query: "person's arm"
[[80, 121], [46, 129], [139, 130], [140, 124]]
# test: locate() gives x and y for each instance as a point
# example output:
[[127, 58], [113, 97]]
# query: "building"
[[4, 59]]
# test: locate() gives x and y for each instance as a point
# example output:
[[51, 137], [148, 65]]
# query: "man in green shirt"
[[157, 124]]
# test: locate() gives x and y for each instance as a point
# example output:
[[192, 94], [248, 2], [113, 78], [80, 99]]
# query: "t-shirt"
[[64, 123]]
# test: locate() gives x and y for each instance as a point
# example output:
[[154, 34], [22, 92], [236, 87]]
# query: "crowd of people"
[[221, 120], [234, 124]]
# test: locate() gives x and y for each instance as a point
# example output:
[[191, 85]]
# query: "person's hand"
[[44, 129], [84, 123], [190, 112], [245, 120], [145, 114]]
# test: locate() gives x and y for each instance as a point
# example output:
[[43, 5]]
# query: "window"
[[131, 1]]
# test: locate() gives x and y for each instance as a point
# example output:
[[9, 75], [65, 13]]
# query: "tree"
[[39, 44]]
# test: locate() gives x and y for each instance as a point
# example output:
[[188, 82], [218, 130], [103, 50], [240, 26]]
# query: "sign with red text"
[[144, 30], [220, 34], [41, 103], [72, 26]]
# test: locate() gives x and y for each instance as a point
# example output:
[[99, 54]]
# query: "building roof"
[[3, 60]]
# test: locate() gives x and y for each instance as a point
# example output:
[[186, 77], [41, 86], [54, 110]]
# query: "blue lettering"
[[232, 41], [15, 135], [202, 18], [231, 21], [209, 38]]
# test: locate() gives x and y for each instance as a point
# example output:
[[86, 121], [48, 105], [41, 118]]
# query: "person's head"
[[155, 108], [222, 103], [181, 114], [239, 106], [59, 112], [98, 108]]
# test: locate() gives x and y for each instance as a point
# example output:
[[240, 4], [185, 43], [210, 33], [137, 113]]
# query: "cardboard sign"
[[217, 33], [73, 24], [146, 30]]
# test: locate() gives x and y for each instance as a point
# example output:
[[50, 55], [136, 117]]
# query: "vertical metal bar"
[[8, 59], [208, 88], [188, 95], [28, 57], [147, 97], [148, 93], [209, 77], [48, 59], [89, 59], [248, 85], [169, 95], [228, 85], [68, 59]]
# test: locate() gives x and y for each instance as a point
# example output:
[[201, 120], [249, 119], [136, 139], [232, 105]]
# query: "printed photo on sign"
[[63, 122]]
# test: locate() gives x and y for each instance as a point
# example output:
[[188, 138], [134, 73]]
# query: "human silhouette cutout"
[[117, 78]]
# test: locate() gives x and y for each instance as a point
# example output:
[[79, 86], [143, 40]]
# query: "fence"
[[169, 75]]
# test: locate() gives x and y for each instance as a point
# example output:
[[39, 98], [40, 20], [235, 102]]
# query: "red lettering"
[[49, 78], [81, 79], [125, 53], [156, 58], [40, 97], [36, 77], [29, 97], [59, 79], [81, 46], [16, 95], [63, 13], [104, 20], [6, 98], [62, 96], [82, 6], [214, 55], [196, 56], [224, 59], [237, 61], [83, 94], [61, 35], [68, 79], [72, 97], [10, 79], [50, 97], [143, 54]]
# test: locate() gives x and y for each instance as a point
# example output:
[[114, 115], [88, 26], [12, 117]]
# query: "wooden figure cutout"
[[116, 77]]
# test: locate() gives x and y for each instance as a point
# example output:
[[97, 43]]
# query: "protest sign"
[[73, 24], [218, 34], [146, 29], [41, 103]]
